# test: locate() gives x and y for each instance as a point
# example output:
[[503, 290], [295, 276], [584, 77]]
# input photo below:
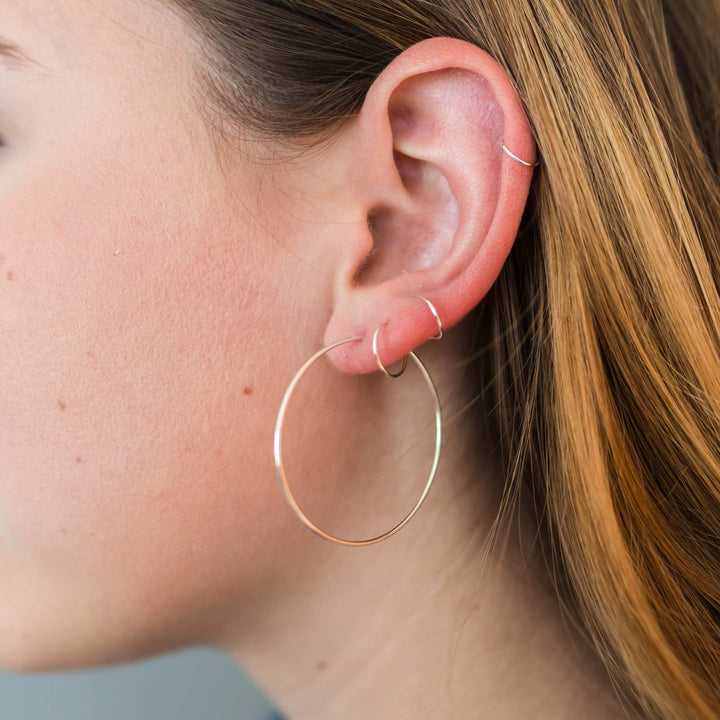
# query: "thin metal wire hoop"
[[376, 353], [281, 470], [520, 160], [434, 311]]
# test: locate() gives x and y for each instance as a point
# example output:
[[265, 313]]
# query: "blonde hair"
[[603, 364]]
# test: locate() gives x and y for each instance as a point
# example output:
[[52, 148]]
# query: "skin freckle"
[[62, 405], [248, 391], [78, 460]]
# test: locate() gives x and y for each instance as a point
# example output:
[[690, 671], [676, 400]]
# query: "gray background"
[[193, 685]]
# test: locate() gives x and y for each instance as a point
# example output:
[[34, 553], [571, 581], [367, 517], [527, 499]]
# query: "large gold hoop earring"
[[281, 471]]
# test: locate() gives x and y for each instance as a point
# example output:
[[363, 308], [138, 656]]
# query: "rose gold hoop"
[[404, 362], [441, 332], [517, 159], [281, 471], [377, 356]]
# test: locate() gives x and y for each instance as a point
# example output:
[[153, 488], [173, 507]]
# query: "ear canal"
[[418, 234]]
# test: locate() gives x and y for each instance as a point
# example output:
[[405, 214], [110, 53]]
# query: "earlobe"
[[445, 157]]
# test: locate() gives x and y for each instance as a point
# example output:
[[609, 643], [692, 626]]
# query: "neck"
[[424, 625]]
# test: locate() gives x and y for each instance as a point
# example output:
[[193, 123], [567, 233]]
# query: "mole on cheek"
[[248, 391]]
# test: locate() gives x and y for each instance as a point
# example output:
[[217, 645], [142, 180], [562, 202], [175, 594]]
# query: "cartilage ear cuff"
[[517, 159]]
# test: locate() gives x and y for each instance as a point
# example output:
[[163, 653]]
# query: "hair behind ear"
[[607, 407]]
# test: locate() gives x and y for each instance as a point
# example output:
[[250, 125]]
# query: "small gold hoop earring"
[[441, 332], [517, 159], [397, 374], [377, 356], [281, 471]]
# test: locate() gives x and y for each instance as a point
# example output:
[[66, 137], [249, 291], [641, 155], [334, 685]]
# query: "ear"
[[443, 199]]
